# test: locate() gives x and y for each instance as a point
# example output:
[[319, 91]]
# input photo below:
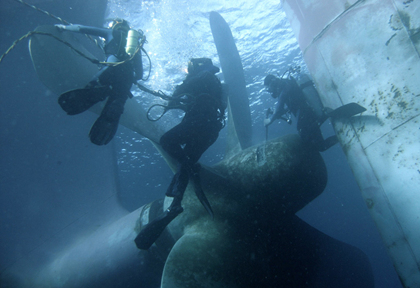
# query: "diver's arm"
[[94, 31], [182, 95], [193, 84], [181, 89], [279, 112]]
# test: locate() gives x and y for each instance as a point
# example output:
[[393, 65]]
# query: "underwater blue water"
[[179, 30], [45, 155]]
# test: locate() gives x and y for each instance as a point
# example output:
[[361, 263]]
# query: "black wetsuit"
[[122, 76], [291, 99], [199, 128], [186, 142], [113, 82]]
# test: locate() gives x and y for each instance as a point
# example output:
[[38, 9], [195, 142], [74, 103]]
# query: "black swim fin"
[[105, 127], [151, 232], [194, 174], [345, 111], [79, 100], [201, 196], [103, 130]]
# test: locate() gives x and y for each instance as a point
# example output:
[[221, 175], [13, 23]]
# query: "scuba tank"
[[132, 44], [311, 95]]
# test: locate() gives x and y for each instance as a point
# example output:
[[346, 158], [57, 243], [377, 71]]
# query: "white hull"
[[368, 52]]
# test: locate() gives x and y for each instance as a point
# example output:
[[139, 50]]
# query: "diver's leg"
[[98, 89], [194, 148], [172, 140], [309, 129], [79, 100], [179, 182], [311, 134], [324, 116], [151, 232], [202, 138], [119, 79]]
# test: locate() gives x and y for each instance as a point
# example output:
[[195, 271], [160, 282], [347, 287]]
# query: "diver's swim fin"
[[346, 111], [105, 127], [199, 190], [151, 232], [201, 196], [103, 130], [79, 100]]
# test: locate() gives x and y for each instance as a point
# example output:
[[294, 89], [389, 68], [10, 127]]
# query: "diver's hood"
[[197, 65]]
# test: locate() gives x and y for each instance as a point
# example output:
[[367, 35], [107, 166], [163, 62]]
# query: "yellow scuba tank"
[[133, 38]]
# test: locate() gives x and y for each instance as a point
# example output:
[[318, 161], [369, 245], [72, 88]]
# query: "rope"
[[159, 93], [173, 102], [150, 65], [56, 18], [94, 61], [45, 12]]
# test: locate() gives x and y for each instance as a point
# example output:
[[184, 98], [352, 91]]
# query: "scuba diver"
[[124, 67], [204, 107], [304, 103]]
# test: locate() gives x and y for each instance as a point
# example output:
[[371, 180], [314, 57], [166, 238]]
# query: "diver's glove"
[[267, 120], [60, 27], [289, 118], [73, 28]]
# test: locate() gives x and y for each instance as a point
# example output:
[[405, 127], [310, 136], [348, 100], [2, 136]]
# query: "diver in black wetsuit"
[[186, 142], [292, 100], [112, 82]]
